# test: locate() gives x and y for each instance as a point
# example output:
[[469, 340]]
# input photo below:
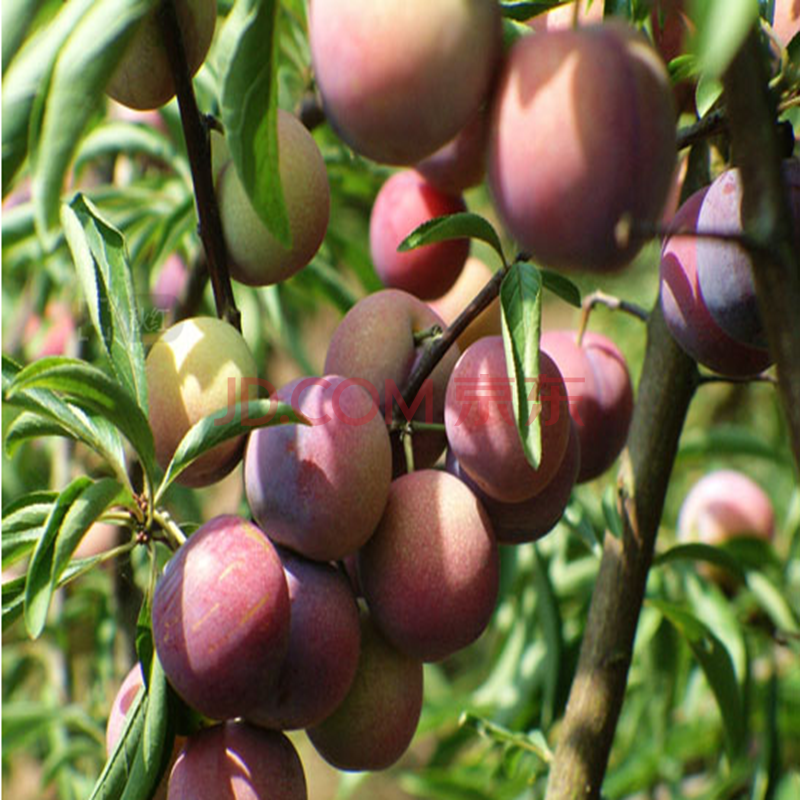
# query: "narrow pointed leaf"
[[94, 390], [98, 250], [453, 226], [28, 426], [521, 303], [79, 76], [717, 665], [561, 286], [39, 586], [250, 107], [223, 425], [523, 11]]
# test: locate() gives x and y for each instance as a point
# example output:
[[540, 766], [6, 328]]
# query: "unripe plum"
[[472, 279], [375, 342], [143, 79], [430, 572], [237, 761], [480, 424], [404, 202], [376, 722], [724, 270], [324, 642], [399, 80], [197, 367], [221, 618], [582, 145], [321, 489], [685, 312], [600, 395], [529, 520], [256, 257], [461, 163]]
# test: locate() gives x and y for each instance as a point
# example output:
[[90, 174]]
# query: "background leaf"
[[104, 273], [249, 106], [722, 26], [521, 303]]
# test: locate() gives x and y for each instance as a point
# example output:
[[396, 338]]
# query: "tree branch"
[[195, 132], [766, 218], [668, 381]]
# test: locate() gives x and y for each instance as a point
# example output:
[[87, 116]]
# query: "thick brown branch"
[[767, 219], [198, 147], [668, 380]]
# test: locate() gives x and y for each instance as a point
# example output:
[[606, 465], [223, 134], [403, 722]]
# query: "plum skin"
[[375, 343], [237, 761], [143, 78], [399, 80], [430, 571], [529, 520], [489, 448], [321, 489], [191, 370], [221, 618], [404, 203], [600, 395], [582, 138], [684, 307], [257, 258], [375, 723], [324, 643]]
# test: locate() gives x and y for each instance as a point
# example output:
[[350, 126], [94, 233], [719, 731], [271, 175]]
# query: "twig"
[[600, 298], [761, 378], [198, 147], [710, 125]]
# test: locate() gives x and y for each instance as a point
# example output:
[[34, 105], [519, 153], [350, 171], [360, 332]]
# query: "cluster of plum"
[[363, 558]]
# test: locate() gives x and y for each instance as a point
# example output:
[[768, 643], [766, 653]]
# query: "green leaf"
[[708, 91], [534, 741], [80, 73], [99, 254], [156, 722], [522, 11], [717, 665], [82, 514], [549, 614], [117, 772], [561, 286], [24, 523], [731, 440], [17, 18], [521, 302], [453, 226], [700, 552], [24, 79], [29, 425], [91, 389], [722, 26], [40, 586], [223, 425], [773, 601], [249, 106]]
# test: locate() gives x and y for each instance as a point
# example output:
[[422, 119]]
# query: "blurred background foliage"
[[491, 712]]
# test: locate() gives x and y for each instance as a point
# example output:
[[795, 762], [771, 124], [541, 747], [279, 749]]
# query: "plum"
[[684, 308], [582, 145], [480, 423], [375, 723], [321, 489], [221, 618], [404, 202], [430, 572], [399, 80]]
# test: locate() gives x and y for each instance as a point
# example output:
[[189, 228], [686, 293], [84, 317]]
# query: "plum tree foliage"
[[484, 297]]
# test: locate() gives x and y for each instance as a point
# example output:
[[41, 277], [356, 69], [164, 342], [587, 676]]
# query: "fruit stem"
[[195, 131], [436, 348], [599, 298]]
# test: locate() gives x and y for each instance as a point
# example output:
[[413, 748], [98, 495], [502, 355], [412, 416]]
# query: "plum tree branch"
[[767, 219], [195, 132], [669, 378]]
